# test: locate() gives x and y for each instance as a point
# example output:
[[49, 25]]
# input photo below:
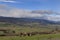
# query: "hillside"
[[26, 20]]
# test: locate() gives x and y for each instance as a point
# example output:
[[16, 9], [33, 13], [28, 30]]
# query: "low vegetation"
[[36, 37], [27, 32]]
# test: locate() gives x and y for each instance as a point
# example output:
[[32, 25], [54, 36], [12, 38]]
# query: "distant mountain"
[[26, 20]]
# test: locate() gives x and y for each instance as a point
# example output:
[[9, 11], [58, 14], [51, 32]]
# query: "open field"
[[45, 35], [26, 29], [35, 37]]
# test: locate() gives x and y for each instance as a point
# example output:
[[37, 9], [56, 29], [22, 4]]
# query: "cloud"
[[9, 1], [15, 12], [53, 18], [44, 12], [22, 13], [2, 6], [7, 11]]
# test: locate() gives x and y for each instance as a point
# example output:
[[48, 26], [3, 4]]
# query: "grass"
[[26, 29], [29, 29], [36, 37]]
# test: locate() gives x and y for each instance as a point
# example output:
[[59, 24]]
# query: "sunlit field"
[[35, 37]]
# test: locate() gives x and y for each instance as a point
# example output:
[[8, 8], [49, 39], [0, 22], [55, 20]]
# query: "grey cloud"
[[2, 6], [15, 12], [44, 12], [22, 13], [18, 13]]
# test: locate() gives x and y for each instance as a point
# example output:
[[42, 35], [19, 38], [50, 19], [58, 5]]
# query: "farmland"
[[33, 37], [49, 32]]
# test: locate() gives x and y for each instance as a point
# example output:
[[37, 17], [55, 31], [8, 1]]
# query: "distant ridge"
[[26, 20]]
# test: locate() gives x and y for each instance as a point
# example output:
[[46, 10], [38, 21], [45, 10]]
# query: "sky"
[[34, 4], [46, 9]]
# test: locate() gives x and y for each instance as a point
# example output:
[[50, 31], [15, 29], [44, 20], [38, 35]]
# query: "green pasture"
[[35, 37]]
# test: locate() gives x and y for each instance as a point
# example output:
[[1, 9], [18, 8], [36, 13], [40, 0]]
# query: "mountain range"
[[26, 20]]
